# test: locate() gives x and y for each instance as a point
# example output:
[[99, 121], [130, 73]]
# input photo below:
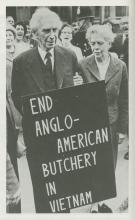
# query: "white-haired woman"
[[102, 65]]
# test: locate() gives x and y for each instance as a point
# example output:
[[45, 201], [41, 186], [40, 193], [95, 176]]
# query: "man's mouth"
[[50, 42]]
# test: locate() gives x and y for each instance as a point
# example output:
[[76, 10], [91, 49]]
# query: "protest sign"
[[69, 147]]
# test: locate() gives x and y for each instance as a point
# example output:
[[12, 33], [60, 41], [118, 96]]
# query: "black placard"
[[69, 147]]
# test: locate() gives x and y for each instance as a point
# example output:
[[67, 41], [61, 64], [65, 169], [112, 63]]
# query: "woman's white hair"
[[103, 30], [44, 15]]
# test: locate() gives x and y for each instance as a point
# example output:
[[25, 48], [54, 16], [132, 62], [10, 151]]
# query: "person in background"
[[10, 55], [13, 194], [120, 43], [20, 45], [12, 176], [75, 27], [10, 41], [65, 36], [101, 65], [10, 20], [79, 39], [29, 37], [125, 39]]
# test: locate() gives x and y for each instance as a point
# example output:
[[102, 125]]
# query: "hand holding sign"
[[78, 80]]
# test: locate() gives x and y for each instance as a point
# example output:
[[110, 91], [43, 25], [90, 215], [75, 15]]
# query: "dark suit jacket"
[[27, 74], [116, 88]]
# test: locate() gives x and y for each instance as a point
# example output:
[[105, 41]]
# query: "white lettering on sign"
[[40, 104], [72, 201]]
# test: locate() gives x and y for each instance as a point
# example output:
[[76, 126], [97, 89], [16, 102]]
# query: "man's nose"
[[96, 46], [52, 34]]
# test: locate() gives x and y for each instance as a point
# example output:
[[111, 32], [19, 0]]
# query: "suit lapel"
[[92, 67], [113, 68], [59, 65], [35, 69]]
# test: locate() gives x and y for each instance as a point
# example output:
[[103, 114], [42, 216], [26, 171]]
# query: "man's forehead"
[[48, 24]]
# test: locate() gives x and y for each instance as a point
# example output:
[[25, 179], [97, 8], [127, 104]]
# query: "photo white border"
[[122, 216]]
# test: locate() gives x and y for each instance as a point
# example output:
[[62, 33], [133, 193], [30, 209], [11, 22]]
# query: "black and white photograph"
[[67, 70], [67, 110]]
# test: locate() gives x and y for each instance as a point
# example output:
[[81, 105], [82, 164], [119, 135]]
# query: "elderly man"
[[44, 68]]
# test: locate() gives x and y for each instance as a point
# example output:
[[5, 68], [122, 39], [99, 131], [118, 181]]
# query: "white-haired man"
[[46, 67]]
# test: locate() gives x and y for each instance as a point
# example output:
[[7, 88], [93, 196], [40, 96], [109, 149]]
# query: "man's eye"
[[92, 43], [100, 43], [46, 31], [54, 29]]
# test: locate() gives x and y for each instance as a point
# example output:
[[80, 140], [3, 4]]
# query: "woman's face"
[[66, 34], [19, 32], [9, 38], [99, 45]]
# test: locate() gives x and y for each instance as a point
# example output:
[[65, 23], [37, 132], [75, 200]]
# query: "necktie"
[[48, 64]]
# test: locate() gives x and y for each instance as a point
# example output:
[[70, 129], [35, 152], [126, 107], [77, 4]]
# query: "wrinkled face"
[[9, 38], [66, 34], [19, 32], [99, 45], [10, 20], [47, 35]]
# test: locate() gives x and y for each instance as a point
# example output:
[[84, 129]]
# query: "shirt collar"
[[43, 53]]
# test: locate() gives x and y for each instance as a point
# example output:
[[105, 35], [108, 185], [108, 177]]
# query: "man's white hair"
[[44, 15], [103, 30]]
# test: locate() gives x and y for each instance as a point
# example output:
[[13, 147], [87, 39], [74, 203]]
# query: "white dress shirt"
[[43, 54]]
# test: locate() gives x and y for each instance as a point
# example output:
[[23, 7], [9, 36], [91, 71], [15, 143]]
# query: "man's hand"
[[121, 137], [21, 148], [78, 80]]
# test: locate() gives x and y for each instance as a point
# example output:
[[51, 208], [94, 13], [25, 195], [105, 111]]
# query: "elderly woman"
[[102, 65], [65, 36]]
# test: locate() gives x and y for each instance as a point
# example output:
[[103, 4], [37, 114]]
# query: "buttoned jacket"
[[116, 82]]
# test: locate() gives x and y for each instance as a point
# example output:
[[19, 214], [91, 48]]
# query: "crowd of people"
[[43, 55]]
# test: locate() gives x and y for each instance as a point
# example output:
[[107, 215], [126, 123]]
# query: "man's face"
[[47, 35], [99, 45]]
